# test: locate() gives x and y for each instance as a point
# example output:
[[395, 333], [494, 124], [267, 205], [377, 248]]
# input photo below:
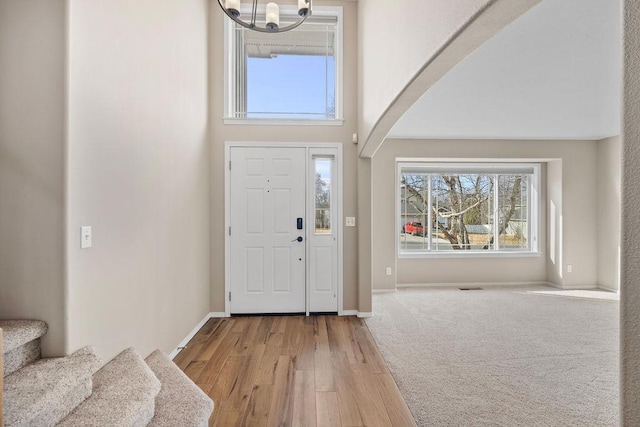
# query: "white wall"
[[609, 167], [32, 55], [567, 51], [306, 134], [578, 210], [137, 172], [395, 43], [630, 280], [407, 47]]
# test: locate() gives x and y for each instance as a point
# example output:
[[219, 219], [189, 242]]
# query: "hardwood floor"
[[293, 371]]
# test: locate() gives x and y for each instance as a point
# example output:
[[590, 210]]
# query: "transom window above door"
[[291, 77]]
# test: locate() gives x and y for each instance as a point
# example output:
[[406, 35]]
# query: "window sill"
[[282, 122], [470, 254]]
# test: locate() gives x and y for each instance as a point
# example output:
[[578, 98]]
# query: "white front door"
[[267, 230]]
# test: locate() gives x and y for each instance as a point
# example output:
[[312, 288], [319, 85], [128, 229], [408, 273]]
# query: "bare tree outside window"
[[323, 196], [464, 211]]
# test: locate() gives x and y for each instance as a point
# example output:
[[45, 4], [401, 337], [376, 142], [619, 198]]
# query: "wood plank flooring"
[[293, 371]]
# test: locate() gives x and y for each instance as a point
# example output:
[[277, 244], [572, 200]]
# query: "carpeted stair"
[[75, 391], [125, 383], [43, 393], [180, 401], [21, 342]]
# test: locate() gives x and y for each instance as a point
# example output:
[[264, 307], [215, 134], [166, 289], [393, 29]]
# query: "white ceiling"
[[555, 73]]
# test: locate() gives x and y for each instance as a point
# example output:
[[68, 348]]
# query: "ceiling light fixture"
[[272, 15]]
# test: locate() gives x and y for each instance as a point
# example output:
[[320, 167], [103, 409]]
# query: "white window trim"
[[283, 122], [230, 77], [534, 208]]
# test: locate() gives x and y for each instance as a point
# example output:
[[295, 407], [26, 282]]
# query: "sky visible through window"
[[292, 84], [323, 167]]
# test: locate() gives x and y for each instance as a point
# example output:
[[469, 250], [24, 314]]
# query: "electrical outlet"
[[388, 271], [569, 268], [350, 221]]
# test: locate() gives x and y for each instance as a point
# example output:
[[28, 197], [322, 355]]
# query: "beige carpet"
[[589, 294], [501, 356]]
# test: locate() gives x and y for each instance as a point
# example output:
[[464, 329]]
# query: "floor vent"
[[470, 289]]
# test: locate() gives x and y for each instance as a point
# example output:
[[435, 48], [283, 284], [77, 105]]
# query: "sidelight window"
[[323, 196]]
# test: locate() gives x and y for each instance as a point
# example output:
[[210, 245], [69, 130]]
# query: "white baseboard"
[[384, 291], [572, 287], [218, 314], [195, 330], [471, 284], [608, 289], [578, 287], [361, 314]]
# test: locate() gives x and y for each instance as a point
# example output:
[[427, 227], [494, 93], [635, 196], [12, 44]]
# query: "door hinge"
[[229, 231], [229, 164], [229, 296]]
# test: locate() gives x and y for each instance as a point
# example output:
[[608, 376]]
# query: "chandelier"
[[272, 16]]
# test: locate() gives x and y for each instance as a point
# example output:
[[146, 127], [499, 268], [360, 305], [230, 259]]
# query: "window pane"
[[323, 195], [513, 212], [414, 206], [462, 205], [290, 75]]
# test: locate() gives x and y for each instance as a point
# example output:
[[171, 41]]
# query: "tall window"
[[323, 196], [468, 208], [291, 76]]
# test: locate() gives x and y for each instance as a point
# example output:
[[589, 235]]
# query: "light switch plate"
[[350, 221], [86, 240]]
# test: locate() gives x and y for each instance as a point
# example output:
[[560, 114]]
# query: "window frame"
[[481, 167], [230, 74], [332, 211]]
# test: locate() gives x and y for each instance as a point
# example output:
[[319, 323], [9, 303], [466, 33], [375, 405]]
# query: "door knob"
[[298, 239]]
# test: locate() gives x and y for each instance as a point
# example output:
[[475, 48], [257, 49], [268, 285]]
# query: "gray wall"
[[630, 280], [609, 183], [137, 171], [571, 184], [32, 117], [305, 134]]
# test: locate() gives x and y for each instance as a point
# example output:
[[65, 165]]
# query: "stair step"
[[20, 332], [46, 391], [21, 343], [124, 393], [180, 401]]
